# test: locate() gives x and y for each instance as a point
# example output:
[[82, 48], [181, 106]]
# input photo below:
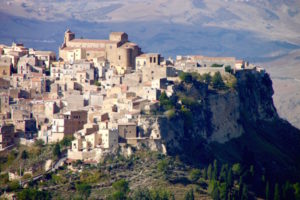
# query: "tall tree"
[[276, 192], [205, 173], [229, 178], [217, 81], [84, 190], [244, 192], [24, 155], [209, 172], [268, 191], [215, 172], [189, 195], [56, 150]]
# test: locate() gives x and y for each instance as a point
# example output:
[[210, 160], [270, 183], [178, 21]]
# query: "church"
[[117, 50]]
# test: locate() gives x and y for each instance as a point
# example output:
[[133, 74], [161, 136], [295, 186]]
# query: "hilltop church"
[[118, 51]]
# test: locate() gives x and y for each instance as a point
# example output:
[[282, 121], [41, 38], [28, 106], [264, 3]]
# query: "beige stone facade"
[[119, 52]]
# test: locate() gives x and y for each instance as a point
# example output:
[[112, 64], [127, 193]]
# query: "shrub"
[[39, 143], [171, 114], [121, 186], [162, 166], [236, 169], [189, 195], [83, 189], [165, 102], [228, 69], [216, 65], [56, 150], [26, 176], [13, 185], [4, 178], [97, 83], [33, 194], [67, 141], [217, 81], [194, 175], [186, 77], [24, 155]]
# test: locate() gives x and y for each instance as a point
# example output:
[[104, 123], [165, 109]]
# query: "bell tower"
[[68, 36]]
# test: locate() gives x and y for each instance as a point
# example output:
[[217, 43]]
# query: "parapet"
[[118, 37]]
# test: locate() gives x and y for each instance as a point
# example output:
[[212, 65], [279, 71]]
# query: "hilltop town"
[[95, 92], [107, 120]]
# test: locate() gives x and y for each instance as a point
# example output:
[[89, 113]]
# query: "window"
[[154, 60], [150, 59], [119, 57]]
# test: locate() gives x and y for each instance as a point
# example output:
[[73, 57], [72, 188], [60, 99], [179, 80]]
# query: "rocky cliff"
[[206, 123], [214, 115]]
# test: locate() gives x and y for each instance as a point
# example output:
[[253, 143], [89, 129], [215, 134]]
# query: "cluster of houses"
[[94, 92]]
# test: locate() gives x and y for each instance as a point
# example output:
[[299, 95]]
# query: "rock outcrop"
[[218, 116]]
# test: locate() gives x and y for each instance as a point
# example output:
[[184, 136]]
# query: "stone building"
[[4, 103], [126, 131], [5, 67], [147, 60], [68, 124], [119, 52], [7, 134]]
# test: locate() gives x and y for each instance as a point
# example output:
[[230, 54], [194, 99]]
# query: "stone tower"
[[68, 36]]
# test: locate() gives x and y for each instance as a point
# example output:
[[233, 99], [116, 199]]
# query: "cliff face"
[[217, 116], [255, 94]]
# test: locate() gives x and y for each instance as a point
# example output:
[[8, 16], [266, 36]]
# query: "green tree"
[[165, 102], [297, 190], [207, 78], [229, 179], [66, 141], [84, 190], [228, 69], [24, 155], [223, 173], [276, 192], [163, 166], [223, 191], [13, 185], [56, 150], [194, 175], [288, 191], [39, 143], [204, 173], [216, 65], [33, 194], [118, 195], [215, 172], [121, 185], [161, 194], [217, 81], [237, 169], [142, 194], [209, 172], [186, 77], [189, 195], [268, 191], [216, 194], [244, 192]]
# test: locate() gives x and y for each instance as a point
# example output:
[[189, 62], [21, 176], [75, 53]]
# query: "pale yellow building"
[[119, 52]]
